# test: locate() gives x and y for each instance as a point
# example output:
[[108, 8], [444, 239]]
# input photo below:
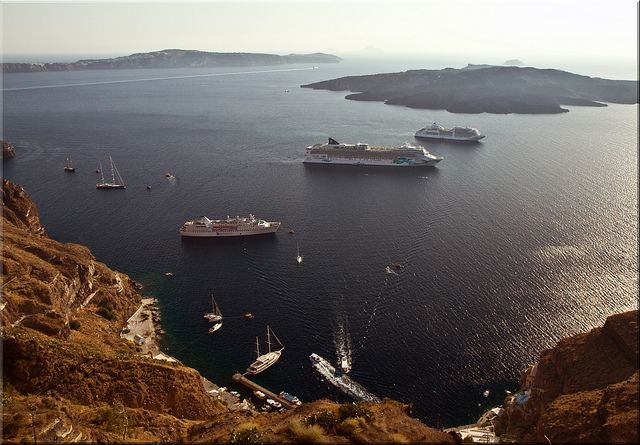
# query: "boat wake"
[[342, 342], [341, 381]]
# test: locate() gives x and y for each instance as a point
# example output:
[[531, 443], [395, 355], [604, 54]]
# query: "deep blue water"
[[507, 246]]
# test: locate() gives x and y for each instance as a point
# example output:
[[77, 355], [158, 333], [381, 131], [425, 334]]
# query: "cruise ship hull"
[[449, 138], [248, 232], [367, 162]]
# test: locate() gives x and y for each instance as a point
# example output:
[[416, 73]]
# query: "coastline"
[[144, 330]]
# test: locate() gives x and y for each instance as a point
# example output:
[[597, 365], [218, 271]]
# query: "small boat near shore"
[[289, 398]]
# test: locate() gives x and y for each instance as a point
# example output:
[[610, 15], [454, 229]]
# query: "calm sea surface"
[[506, 246]]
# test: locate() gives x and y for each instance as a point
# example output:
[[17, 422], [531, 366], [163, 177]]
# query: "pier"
[[237, 377]]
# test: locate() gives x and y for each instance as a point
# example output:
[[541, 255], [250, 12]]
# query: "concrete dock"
[[237, 377]]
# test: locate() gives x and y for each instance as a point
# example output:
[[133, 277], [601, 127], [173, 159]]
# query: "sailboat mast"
[[113, 176], [120, 180], [279, 342], [257, 346], [101, 174], [268, 339]]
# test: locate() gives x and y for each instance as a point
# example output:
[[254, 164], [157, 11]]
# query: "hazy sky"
[[580, 29]]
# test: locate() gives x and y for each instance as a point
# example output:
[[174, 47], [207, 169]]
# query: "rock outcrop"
[[583, 390], [485, 89], [7, 150], [173, 58]]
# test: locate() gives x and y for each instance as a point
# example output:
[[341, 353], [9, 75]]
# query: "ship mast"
[[279, 342], [268, 339], [257, 346], [113, 176], [101, 174]]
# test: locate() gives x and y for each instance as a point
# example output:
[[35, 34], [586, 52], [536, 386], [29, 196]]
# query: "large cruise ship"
[[436, 131], [362, 154], [205, 227]]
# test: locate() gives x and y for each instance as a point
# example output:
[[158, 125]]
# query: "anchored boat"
[[238, 226], [435, 131], [68, 166], [264, 361], [406, 155], [116, 180]]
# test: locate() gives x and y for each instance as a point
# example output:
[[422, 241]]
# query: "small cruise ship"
[[334, 152], [238, 226], [436, 131]]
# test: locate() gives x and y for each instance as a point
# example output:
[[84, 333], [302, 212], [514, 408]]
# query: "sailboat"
[[116, 180], [214, 317], [68, 166], [298, 257], [265, 360], [216, 314]]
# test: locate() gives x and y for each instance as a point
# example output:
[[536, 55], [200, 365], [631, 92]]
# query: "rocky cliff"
[[68, 376], [7, 150], [173, 58], [485, 89], [583, 390]]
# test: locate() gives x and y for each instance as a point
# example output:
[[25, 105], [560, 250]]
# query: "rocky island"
[[485, 89], [8, 151], [173, 58], [71, 375]]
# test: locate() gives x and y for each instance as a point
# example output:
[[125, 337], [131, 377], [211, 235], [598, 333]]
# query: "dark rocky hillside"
[[485, 89]]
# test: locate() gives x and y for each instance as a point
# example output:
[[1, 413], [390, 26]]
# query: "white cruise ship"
[[334, 152], [205, 227], [436, 131]]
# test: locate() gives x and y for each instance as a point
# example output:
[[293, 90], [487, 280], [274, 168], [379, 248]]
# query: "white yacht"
[[406, 155], [238, 226], [436, 131], [265, 360]]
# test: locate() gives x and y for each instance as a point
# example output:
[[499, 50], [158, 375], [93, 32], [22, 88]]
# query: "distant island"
[[485, 89], [173, 58], [514, 62]]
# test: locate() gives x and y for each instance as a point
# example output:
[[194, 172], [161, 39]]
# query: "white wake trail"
[[341, 381], [342, 342], [151, 79]]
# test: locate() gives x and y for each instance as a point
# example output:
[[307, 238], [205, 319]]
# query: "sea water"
[[506, 247]]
